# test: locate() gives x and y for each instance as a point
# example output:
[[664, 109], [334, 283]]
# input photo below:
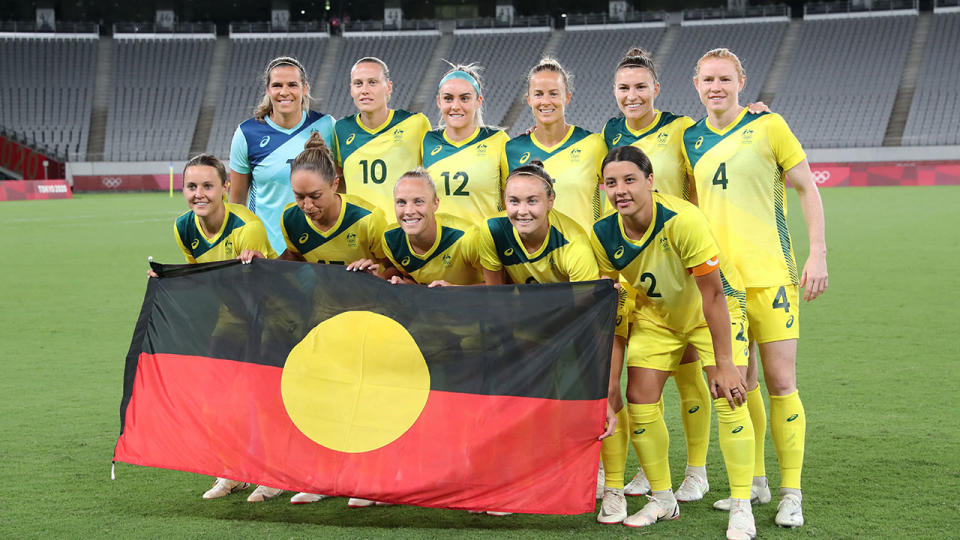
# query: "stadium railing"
[[518, 22], [293, 27], [176, 28], [705, 14], [827, 8], [63, 27], [581, 19]]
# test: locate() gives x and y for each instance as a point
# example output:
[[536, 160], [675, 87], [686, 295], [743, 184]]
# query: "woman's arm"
[[725, 380], [814, 279], [491, 277], [239, 187]]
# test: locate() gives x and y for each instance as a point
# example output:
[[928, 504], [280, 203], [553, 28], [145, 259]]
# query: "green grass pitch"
[[877, 372]]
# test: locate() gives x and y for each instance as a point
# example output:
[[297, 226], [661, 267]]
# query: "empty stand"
[[935, 110], [46, 91]]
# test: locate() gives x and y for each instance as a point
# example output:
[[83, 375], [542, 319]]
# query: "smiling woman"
[[260, 156]]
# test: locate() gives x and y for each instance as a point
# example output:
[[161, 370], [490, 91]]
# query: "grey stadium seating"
[[935, 111]]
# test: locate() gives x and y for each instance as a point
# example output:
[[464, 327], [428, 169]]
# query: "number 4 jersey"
[[469, 174], [661, 265], [740, 187]]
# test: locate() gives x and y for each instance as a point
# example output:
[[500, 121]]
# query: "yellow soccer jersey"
[[574, 165], [241, 230], [469, 174], [452, 258], [659, 265], [564, 256], [373, 159], [740, 187], [662, 142], [356, 234]]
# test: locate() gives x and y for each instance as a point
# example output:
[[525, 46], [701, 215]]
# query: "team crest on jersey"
[[352, 239], [228, 247], [508, 252], [619, 253], [397, 135], [436, 150], [525, 158], [746, 136], [664, 243], [350, 139], [481, 149], [303, 238], [575, 155], [447, 259], [264, 141], [616, 139], [662, 138], [699, 142], [195, 243], [405, 261]]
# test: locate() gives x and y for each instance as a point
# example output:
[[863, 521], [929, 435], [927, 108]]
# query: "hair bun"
[[636, 51], [315, 142]]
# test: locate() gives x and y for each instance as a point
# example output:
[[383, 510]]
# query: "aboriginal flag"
[[311, 378]]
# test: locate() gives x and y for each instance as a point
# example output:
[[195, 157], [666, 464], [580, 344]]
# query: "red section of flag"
[[464, 452]]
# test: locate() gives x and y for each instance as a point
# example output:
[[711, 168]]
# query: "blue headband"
[[462, 75]]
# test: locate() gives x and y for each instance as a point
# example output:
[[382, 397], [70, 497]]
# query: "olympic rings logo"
[[112, 182], [821, 177]]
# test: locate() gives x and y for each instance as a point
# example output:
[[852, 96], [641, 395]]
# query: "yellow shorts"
[[774, 313], [657, 347]]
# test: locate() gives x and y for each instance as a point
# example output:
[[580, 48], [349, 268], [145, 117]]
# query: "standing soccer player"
[[463, 155], [376, 145], [687, 294], [738, 162], [264, 145], [570, 155]]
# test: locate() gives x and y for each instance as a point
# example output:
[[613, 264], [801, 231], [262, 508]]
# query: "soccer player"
[[376, 145], [738, 162], [264, 145], [213, 230], [463, 155], [427, 247], [686, 295], [570, 154]]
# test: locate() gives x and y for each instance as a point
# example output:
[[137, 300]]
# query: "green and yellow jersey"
[[574, 165], [452, 257], [241, 230], [565, 254], [373, 158], [469, 174], [661, 265], [662, 142], [356, 234], [740, 187]]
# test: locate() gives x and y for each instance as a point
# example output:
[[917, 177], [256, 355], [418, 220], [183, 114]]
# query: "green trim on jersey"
[[730, 292], [613, 241], [397, 242], [699, 139], [512, 252], [189, 233], [616, 133], [522, 149], [351, 135], [782, 231], [440, 148], [298, 227]]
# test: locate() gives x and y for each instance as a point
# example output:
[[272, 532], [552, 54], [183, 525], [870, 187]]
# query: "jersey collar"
[[433, 248], [732, 125], [377, 129], [533, 255], [645, 238], [646, 129], [336, 226], [216, 237], [550, 150], [464, 142], [303, 118]]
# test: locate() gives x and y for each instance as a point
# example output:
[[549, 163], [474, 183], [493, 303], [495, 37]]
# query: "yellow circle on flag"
[[356, 382]]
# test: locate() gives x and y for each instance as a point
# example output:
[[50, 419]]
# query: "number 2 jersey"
[[356, 234], [740, 187], [468, 174], [661, 265], [373, 159]]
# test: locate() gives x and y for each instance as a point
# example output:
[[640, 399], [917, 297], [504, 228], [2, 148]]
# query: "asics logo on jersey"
[[793, 417], [195, 243], [303, 237], [619, 253], [616, 139], [436, 150], [405, 261], [697, 144], [738, 430], [693, 409], [264, 141], [350, 138], [639, 431], [508, 252], [790, 322], [525, 157]]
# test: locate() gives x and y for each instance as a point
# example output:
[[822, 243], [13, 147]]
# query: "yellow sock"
[[652, 443], [788, 426], [758, 416], [695, 400], [613, 452], [736, 443]]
